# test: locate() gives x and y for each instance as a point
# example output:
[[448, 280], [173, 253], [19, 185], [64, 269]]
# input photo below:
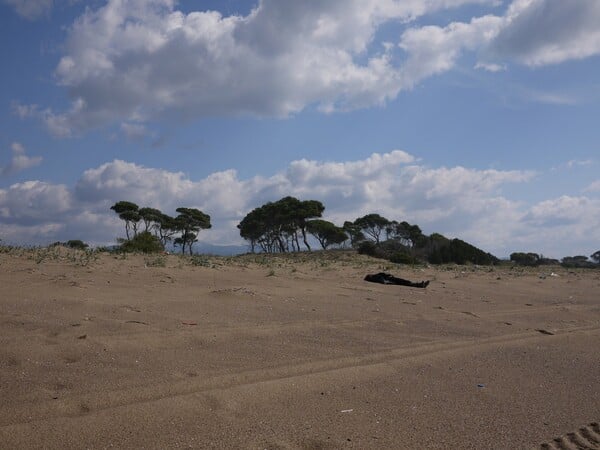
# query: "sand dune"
[[294, 352]]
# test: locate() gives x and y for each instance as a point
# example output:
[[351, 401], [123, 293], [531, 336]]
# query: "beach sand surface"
[[294, 352]]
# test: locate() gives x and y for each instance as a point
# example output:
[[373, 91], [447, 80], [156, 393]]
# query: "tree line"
[[149, 229], [275, 227], [286, 224], [534, 260]]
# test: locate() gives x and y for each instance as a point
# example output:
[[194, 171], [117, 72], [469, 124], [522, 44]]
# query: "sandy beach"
[[294, 352]]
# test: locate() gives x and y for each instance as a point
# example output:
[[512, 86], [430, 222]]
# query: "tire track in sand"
[[585, 438], [72, 407]]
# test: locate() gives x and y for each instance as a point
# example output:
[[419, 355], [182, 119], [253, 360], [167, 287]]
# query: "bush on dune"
[[144, 242]]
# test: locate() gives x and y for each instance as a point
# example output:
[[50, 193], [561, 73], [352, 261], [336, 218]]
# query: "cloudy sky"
[[478, 119]]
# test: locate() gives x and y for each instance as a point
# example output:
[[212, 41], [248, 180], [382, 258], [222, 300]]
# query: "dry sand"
[[295, 352]]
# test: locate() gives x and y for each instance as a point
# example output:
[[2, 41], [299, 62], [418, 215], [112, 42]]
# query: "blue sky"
[[477, 119]]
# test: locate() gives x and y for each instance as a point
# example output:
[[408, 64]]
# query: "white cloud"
[[19, 161], [579, 163], [433, 49], [593, 187], [551, 98], [285, 56], [35, 202], [24, 111], [531, 32], [563, 210], [135, 131], [490, 67], [574, 164], [456, 201], [568, 225], [36, 9], [30, 9], [132, 60], [542, 32]]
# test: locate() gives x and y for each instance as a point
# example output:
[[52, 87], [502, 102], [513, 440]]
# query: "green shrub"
[[156, 261], [77, 244], [367, 248], [402, 258], [144, 242], [200, 260]]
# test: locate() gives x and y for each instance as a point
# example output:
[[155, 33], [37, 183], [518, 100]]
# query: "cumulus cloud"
[[563, 222], [434, 49], [131, 61], [455, 201], [541, 32], [35, 202], [20, 161], [282, 57], [560, 211]]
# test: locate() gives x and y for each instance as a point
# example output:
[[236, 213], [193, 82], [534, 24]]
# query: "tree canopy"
[[525, 259], [579, 261], [159, 228], [189, 222], [354, 233], [326, 232], [373, 225], [276, 226], [129, 213], [284, 226]]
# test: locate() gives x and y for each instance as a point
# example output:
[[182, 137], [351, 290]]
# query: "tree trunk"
[[304, 237], [281, 246]]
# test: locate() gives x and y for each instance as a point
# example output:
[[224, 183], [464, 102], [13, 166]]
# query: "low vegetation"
[[535, 260]]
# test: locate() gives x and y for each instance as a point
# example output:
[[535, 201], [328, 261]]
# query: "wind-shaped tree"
[[275, 226], [128, 212], [189, 222], [372, 225], [326, 232]]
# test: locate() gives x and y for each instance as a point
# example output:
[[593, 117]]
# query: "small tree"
[[306, 210], [165, 228], [580, 261], [253, 228], [189, 222], [373, 225], [409, 235], [354, 233], [128, 212], [326, 232], [525, 259], [596, 257], [150, 217]]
